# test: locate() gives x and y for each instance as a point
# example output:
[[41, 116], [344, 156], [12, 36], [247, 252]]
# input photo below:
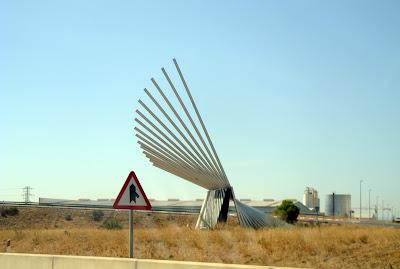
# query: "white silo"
[[338, 205]]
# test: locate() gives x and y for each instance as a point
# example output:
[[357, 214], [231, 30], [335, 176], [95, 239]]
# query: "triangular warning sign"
[[132, 195]]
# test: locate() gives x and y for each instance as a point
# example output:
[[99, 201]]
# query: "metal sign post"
[[132, 197], [131, 233]]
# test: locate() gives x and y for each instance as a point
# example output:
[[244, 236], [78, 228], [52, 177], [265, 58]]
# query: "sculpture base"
[[216, 206]]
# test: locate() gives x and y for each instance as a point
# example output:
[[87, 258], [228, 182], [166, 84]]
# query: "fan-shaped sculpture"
[[180, 144]]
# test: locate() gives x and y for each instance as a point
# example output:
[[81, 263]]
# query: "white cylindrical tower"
[[338, 205]]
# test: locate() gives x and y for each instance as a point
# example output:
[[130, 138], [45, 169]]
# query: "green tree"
[[287, 211]]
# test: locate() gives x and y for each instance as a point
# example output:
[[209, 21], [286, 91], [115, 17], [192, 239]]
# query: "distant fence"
[[159, 209], [37, 261]]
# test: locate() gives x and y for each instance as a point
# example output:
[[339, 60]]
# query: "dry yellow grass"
[[158, 237], [327, 247]]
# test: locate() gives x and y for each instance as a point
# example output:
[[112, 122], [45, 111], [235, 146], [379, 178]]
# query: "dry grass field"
[[160, 236]]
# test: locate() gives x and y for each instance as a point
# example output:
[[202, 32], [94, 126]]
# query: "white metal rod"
[[171, 134], [165, 136], [206, 159], [199, 116], [191, 120], [194, 165], [183, 174], [171, 168], [171, 145], [160, 155], [161, 147], [201, 162], [179, 174], [167, 159], [152, 148]]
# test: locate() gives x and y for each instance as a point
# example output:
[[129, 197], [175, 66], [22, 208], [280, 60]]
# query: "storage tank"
[[338, 205]]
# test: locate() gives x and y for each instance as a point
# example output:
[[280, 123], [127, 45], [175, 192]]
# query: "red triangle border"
[[131, 207]]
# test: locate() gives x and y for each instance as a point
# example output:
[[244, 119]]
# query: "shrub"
[[68, 217], [111, 224], [12, 211], [3, 213], [287, 211], [97, 215]]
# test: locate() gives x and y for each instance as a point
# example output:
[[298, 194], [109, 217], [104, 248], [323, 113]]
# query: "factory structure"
[[310, 199], [338, 205]]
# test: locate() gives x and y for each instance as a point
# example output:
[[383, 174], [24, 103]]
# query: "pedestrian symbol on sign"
[[133, 194]]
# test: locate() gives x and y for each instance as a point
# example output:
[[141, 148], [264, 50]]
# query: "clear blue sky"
[[293, 93]]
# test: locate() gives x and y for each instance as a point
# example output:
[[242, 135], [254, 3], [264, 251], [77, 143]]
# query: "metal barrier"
[[38, 261]]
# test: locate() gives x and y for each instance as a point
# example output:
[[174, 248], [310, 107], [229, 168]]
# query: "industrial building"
[[173, 205], [310, 199], [338, 205]]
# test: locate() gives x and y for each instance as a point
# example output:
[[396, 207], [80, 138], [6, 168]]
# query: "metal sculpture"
[[181, 145]]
